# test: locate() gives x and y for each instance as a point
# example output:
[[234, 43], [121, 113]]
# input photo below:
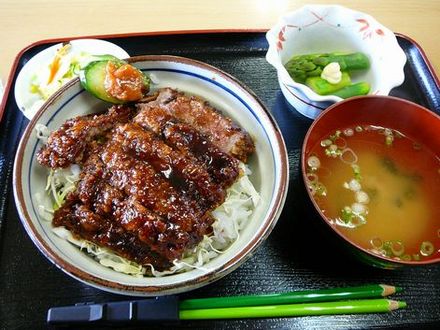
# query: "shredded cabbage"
[[65, 65], [47, 80], [230, 218]]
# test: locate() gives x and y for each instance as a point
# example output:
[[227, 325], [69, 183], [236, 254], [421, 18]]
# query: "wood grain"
[[26, 21]]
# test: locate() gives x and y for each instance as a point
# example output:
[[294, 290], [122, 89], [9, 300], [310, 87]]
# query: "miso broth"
[[380, 189]]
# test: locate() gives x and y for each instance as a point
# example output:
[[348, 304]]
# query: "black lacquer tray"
[[298, 255]]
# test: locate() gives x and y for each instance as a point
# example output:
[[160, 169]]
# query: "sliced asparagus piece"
[[361, 88], [323, 87]]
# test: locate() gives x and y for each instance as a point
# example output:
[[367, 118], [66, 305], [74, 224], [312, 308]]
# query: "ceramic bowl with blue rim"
[[269, 168], [315, 29]]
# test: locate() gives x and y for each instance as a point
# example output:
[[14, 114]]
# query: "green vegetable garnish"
[[346, 214], [361, 88], [303, 66], [389, 140], [335, 136], [102, 79], [307, 69], [426, 248], [351, 62], [323, 87], [356, 172]]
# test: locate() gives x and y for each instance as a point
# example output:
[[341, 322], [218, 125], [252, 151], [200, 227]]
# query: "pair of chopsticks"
[[351, 300]]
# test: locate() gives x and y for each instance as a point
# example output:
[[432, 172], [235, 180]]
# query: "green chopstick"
[[323, 308], [309, 296]]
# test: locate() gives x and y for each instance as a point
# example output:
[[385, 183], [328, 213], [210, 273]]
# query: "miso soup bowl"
[[414, 121]]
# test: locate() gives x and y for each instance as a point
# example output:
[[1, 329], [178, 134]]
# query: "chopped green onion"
[[321, 190], [351, 218], [426, 249], [348, 132], [405, 257], [397, 248], [326, 143], [333, 151], [346, 214], [389, 140], [315, 187], [348, 156], [376, 242], [387, 249], [313, 162], [356, 172], [335, 136]]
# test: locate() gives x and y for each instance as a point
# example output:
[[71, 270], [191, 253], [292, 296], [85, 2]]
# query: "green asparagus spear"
[[351, 62], [303, 66], [361, 88], [323, 87]]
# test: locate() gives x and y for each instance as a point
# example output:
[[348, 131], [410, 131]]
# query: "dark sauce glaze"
[[186, 172], [222, 167], [216, 128], [67, 145], [147, 186]]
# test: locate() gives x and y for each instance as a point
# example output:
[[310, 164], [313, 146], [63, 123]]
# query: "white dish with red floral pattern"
[[325, 29]]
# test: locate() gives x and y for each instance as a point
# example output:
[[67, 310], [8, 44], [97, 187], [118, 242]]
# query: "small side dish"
[[53, 67], [330, 29]]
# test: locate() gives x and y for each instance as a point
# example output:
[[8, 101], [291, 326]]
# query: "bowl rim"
[[272, 56], [189, 284], [322, 217]]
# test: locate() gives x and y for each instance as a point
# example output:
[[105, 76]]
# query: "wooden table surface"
[[26, 21]]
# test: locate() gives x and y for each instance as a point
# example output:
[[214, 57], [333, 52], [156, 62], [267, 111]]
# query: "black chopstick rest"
[[159, 309]]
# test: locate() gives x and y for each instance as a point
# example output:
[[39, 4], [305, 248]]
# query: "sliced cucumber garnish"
[[94, 75], [93, 78]]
